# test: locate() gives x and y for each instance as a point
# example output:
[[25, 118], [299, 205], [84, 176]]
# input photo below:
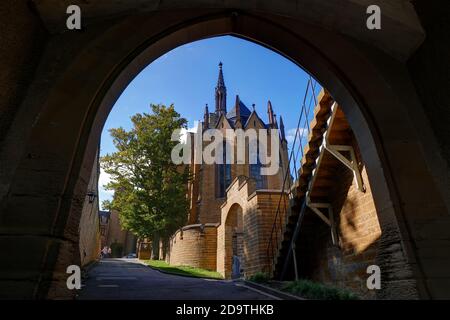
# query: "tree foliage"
[[149, 189]]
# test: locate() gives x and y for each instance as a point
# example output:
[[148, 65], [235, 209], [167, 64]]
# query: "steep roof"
[[246, 123], [244, 112]]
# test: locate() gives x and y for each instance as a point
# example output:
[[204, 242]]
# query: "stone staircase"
[[309, 174]]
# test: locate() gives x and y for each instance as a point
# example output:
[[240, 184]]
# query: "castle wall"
[[194, 245], [209, 206], [258, 213], [115, 235], [89, 229]]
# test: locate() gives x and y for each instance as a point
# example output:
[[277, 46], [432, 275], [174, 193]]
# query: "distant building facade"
[[122, 242], [104, 217]]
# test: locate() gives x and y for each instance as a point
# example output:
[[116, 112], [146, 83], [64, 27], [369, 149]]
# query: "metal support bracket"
[[336, 150], [315, 207]]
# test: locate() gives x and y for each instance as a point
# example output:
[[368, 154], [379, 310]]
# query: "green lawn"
[[318, 291], [183, 270]]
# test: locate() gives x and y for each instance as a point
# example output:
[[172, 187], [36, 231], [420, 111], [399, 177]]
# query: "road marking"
[[108, 286], [115, 278], [212, 280], [259, 291]]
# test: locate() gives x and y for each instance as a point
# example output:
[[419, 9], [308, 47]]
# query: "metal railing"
[[292, 172]]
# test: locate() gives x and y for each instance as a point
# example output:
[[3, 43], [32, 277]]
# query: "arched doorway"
[[48, 165], [234, 243]]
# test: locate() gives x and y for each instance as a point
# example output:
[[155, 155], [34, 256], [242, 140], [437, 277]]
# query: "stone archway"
[[233, 242], [54, 135]]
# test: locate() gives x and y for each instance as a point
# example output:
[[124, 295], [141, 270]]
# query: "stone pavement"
[[128, 279]]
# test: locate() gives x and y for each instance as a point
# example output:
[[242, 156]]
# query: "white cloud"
[[185, 131], [103, 179], [302, 132]]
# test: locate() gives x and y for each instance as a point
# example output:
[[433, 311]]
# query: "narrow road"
[[122, 279]]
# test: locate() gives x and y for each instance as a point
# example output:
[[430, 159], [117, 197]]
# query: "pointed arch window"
[[223, 175], [255, 173]]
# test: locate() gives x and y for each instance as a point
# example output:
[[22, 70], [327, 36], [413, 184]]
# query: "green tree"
[[149, 189]]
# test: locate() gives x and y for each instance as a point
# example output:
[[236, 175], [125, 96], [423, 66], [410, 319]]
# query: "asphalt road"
[[128, 279]]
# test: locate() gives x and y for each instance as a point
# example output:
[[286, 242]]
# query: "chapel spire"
[[270, 114], [221, 93]]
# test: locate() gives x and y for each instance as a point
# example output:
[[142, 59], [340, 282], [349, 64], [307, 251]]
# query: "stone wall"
[[358, 230], [89, 228], [116, 234], [258, 213], [194, 245], [22, 39], [267, 203], [430, 70], [209, 204]]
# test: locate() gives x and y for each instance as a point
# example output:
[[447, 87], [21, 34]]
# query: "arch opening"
[[80, 122], [234, 243]]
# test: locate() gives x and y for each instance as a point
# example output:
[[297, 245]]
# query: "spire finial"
[[253, 106], [221, 93]]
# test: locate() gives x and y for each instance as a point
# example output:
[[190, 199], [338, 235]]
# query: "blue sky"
[[187, 75]]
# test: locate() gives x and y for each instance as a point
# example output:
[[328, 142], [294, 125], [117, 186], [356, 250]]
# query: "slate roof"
[[243, 111]]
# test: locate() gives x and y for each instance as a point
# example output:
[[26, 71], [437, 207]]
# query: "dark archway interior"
[[234, 242]]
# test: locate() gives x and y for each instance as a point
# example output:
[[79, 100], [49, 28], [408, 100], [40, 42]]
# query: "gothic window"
[[223, 176], [255, 173]]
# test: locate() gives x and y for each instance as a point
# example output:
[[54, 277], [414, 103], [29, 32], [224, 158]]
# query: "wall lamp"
[[91, 196]]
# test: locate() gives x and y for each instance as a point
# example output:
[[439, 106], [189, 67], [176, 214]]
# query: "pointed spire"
[[221, 93], [253, 106], [206, 118], [283, 135], [270, 113], [220, 81]]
